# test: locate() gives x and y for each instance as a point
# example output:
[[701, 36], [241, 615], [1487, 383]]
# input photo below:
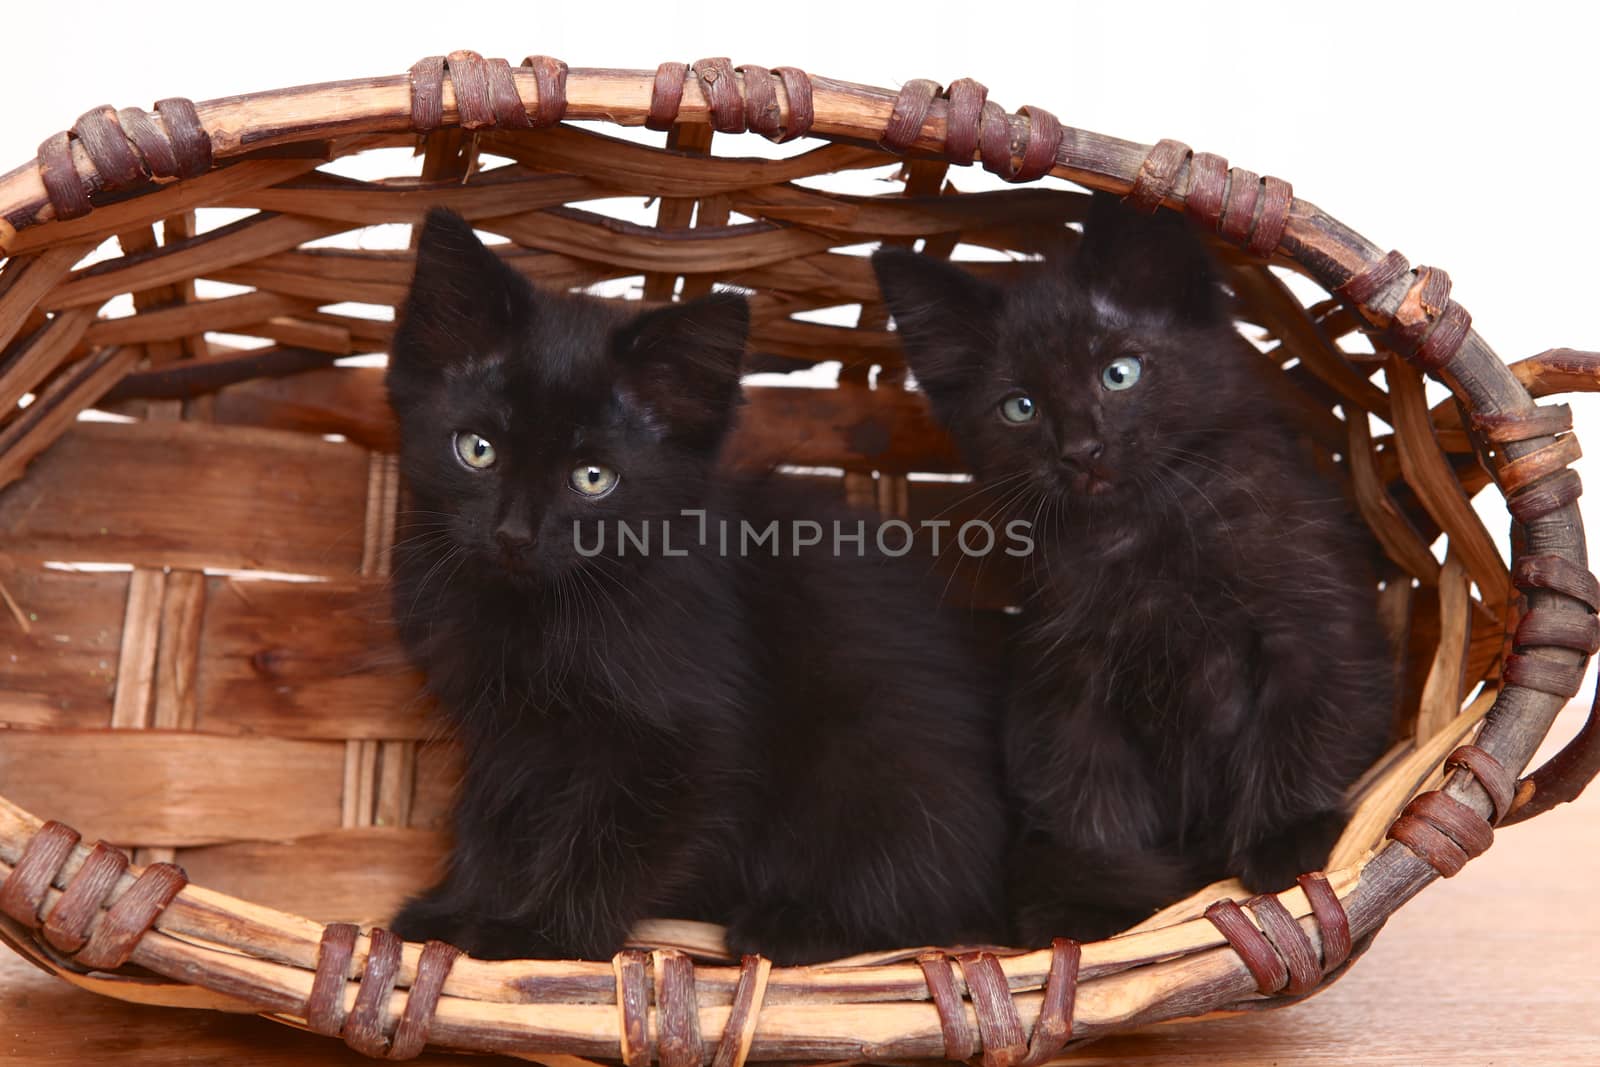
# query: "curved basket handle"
[[1559, 370], [1563, 777]]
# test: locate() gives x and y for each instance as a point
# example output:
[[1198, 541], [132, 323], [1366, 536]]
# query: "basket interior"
[[200, 492]]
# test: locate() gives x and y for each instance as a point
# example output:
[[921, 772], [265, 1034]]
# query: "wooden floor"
[[1498, 966]]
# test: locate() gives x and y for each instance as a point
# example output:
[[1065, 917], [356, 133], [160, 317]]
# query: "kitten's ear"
[[1147, 262], [682, 363], [945, 318], [464, 299]]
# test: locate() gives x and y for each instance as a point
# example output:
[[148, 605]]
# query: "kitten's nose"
[[1081, 452], [513, 536]]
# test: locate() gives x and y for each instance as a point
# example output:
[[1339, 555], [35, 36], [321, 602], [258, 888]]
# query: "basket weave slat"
[[328, 641], [261, 501], [222, 805], [273, 736]]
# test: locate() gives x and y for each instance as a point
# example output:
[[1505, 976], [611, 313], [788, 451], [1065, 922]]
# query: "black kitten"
[[1204, 672], [794, 745]]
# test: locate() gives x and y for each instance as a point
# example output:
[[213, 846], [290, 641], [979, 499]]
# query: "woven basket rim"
[[479, 1000]]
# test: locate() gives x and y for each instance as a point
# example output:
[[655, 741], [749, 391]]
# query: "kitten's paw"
[[786, 933], [1087, 893], [510, 939], [426, 919], [1036, 927], [1272, 864], [430, 919]]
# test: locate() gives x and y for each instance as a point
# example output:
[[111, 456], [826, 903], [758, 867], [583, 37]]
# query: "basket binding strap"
[[125, 148], [678, 1041], [1423, 324], [1290, 942], [363, 1029], [633, 1007], [740, 98], [666, 96], [1004, 1042], [325, 1006], [1275, 949], [677, 1029], [1053, 1029], [762, 112], [1515, 475], [1557, 575], [911, 107], [486, 92], [1545, 420], [1158, 175], [1037, 151], [1565, 775], [745, 98], [1544, 496], [1364, 287], [433, 967], [1260, 957], [1547, 424], [974, 124], [960, 1043], [75, 924], [117, 934], [734, 1047], [550, 76], [1442, 831], [1490, 773], [23, 894], [722, 92], [1333, 923], [1246, 208], [1543, 627], [68, 924], [965, 101], [1000, 1036], [1550, 627]]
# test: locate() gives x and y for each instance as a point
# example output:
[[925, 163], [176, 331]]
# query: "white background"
[[1459, 134]]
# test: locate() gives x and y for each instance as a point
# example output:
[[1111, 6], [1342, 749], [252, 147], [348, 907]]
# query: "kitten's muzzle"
[[514, 540], [1081, 466], [1081, 454]]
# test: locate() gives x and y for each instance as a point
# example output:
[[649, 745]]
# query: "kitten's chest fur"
[[619, 655], [1134, 605], [1150, 633]]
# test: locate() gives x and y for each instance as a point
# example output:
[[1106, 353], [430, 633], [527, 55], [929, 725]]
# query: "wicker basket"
[[209, 714]]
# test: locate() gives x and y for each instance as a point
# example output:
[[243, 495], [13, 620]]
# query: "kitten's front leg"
[[482, 904], [1085, 865], [562, 913], [787, 933], [1288, 769], [1271, 862], [434, 915], [603, 859], [1087, 893]]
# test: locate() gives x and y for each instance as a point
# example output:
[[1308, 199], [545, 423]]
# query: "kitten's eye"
[[1122, 373], [475, 451], [1019, 408], [593, 480]]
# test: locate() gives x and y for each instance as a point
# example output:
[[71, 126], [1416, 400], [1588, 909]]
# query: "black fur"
[[797, 745], [1204, 673]]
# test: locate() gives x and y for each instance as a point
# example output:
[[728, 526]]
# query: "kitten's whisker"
[[982, 489], [983, 516]]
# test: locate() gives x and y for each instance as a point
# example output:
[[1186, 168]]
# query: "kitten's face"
[[523, 413], [1089, 378]]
